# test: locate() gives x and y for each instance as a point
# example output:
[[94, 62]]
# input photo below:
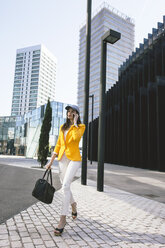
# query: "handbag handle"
[[49, 173]]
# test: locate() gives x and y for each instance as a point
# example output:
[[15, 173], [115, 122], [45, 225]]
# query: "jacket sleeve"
[[58, 144], [78, 132]]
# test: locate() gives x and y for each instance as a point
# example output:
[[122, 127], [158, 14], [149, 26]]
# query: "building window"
[[36, 52]]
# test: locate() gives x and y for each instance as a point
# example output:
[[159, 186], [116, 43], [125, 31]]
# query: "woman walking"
[[67, 150]]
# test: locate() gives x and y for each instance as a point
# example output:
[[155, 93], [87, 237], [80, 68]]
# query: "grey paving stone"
[[81, 243], [35, 236], [29, 245], [112, 218], [70, 241], [62, 245], [15, 237], [26, 240], [24, 234], [46, 237], [16, 244], [38, 241], [3, 236], [40, 246], [4, 242]]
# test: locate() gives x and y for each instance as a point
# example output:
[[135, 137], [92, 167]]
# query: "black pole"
[[101, 131], [91, 143], [86, 94]]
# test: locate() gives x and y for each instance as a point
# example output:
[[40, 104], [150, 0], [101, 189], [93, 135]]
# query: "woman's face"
[[71, 113]]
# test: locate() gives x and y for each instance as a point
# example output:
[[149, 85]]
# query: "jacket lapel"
[[68, 132]]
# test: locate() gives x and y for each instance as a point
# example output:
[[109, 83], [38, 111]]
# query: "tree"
[[44, 136]]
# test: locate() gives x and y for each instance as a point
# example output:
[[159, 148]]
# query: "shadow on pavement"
[[16, 185]]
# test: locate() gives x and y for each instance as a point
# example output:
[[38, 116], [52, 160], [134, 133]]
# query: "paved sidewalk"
[[24, 162], [113, 218], [142, 182]]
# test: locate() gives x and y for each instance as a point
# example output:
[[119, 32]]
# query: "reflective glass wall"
[[7, 134], [20, 135]]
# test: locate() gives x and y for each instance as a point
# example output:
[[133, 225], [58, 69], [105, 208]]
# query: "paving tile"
[[15, 237], [37, 241], [46, 237], [16, 244], [26, 240], [29, 245], [40, 246], [4, 242], [49, 243], [112, 218], [3, 236]]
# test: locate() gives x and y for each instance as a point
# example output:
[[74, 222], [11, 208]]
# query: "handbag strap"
[[49, 173]]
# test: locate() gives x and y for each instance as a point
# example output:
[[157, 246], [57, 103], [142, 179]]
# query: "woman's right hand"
[[48, 166]]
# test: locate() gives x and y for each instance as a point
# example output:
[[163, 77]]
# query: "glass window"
[[34, 79], [35, 63], [60, 109], [18, 77], [19, 59], [34, 84], [35, 67], [36, 55], [33, 87], [33, 95], [31, 108], [35, 71], [19, 62], [14, 109], [32, 104], [18, 69], [34, 75], [20, 54], [36, 59], [16, 93], [16, 97], [19, 66], [16, 85], [32, 99], [36, 52], [33, 91]]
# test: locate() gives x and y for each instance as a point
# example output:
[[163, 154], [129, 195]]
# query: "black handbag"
[[43, 190]]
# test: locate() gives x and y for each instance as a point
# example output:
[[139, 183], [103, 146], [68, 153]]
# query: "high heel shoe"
[[74, 214], [60, 231]]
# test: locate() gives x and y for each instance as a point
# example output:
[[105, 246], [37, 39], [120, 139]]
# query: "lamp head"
[[111, 36]]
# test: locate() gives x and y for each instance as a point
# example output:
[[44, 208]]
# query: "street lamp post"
[[86, 94], [111, 37], [91, 138]]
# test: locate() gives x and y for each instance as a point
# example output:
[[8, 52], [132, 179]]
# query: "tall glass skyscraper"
[[106, 18], [34, 80]]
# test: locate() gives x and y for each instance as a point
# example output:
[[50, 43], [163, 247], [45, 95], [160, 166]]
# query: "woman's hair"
[[67, 123]]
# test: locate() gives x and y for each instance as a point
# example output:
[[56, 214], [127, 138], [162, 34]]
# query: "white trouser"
[[67, 171]]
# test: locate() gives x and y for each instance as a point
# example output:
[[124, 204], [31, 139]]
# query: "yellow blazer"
[[71, 145]]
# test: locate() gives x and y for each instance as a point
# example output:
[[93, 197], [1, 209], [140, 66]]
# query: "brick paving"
[[113, 218]]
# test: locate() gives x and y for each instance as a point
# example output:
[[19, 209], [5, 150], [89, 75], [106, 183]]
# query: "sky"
[[56, 24]]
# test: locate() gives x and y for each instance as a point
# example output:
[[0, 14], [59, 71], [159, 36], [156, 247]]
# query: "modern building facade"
[[106, 18], [19, 135], [135, 123], [7, 132], [34, 79]]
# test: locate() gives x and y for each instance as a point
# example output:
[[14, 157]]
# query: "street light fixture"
[[91, 131], [86, 94], [111, 37]]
